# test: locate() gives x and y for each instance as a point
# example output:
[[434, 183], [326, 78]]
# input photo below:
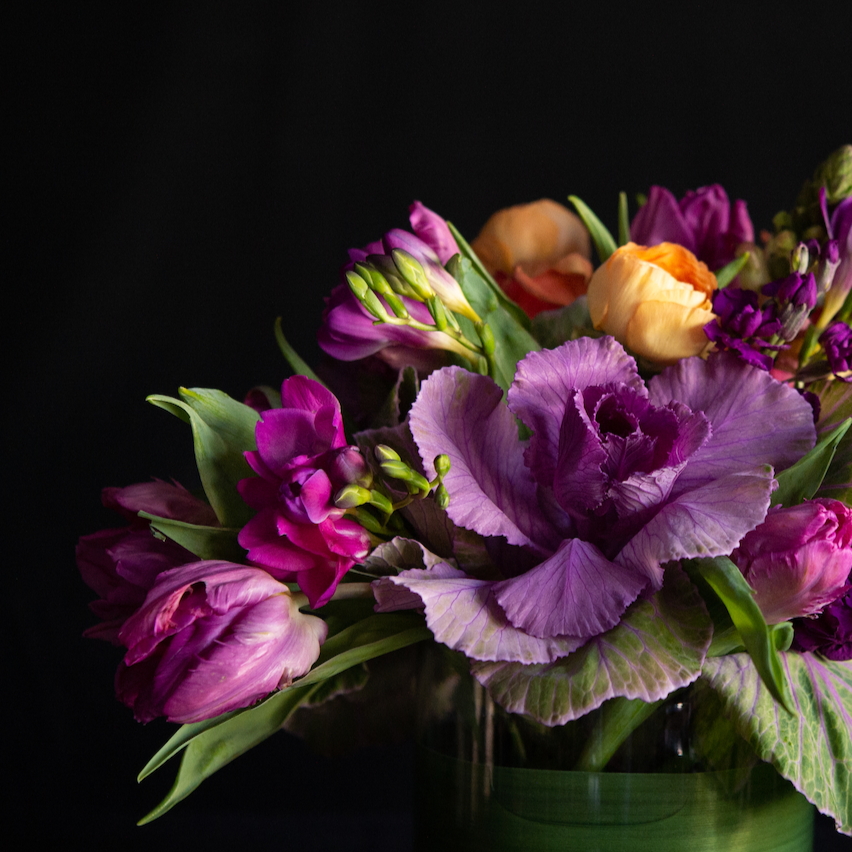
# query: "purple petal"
[[491, 490], [660, 220], [463, 614], [163, 500], [433, 230], [708, 521], [544, 386], [315, 495], [755, 418], [576, 592]]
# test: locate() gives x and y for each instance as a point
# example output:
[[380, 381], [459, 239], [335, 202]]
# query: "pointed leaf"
[[623, 220], [601, 237], [222, 430], [208, 746], [813, 748], [836, 406], [729, 584], [204, 542], [804, 479], [658, 647], [512, 341], [731, 270], [297, 365], [553, 328]]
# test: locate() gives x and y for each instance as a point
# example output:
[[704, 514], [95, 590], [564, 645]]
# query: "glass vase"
[[493, 781]]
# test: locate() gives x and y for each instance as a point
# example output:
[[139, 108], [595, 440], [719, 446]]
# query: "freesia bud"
[[835, 174], [442, 496], [442, 464], [798, 560], [384, 453], [351, 496], [799, 260], [400, 470], [412, 271], [656, 301]]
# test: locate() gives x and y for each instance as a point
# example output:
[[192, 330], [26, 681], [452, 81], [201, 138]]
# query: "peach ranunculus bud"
[[656, 301], [538, 253]]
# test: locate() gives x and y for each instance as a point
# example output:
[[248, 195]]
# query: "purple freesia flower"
[[617, 480], [212, 637], [350, 332], [798, 560], [703, 221], [302, 461], [122, 564]]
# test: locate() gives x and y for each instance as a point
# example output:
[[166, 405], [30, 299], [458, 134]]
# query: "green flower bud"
[[367, 520], [835, 174], [381, 502], [442, 496], [400, 470], [438, 313], [411, 270], [365, 295], [486, 337], [384, 453], [351, 496], [442, 464]]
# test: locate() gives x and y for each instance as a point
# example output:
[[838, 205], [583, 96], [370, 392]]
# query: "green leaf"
[[209, 745], [601, 237], [813, 749], [514, 310], [297, 365], [204, 542], [623, 220], [731, 270], [803, 480], [553, 328], [658, 647], [512, 340], [729, 584], [836, 407], [222, 430]]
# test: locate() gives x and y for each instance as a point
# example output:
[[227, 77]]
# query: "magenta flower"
[[836, 340], [703, 221], [798, 560], [212, 637], [302, 461], [122, 564], [830, 633], [617, 480], [348, 330]]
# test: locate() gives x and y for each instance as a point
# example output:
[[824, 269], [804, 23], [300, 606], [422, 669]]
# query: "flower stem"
[[621, 716]]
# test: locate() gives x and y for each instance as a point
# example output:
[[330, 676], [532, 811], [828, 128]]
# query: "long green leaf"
[[512, 340], [601, 237], [297, 364], [222, 430], [835, 400], [802, 480], [204, 542], [813, 749], [760, 641], [209, 745], [623, 220], [505, 302], [731, 270]]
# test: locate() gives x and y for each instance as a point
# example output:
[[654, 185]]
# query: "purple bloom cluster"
[[703, 221], [836, 340], [743, 326]]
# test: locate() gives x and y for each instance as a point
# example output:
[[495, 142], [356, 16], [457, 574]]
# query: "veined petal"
[[576, 592], [463, 614], [491, 490]]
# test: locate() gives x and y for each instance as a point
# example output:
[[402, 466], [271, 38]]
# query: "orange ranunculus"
[[656, 301], [539, 254]]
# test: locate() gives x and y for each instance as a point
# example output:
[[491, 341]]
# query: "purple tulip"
[[798, 560], [703, 221], [302, 461], [122, 564], [830, 634], [212, 637]]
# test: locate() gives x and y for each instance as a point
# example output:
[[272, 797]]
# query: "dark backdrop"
[[184, 173]]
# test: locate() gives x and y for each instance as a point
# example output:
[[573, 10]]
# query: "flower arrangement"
[[626, 479]]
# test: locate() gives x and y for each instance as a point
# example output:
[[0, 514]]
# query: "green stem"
[[621, 716]]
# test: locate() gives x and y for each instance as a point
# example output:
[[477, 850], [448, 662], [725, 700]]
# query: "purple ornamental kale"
[[703, 221], [617, 480]]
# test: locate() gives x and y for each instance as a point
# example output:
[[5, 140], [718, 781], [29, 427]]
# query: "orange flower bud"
[[538, 252], [656, 301]]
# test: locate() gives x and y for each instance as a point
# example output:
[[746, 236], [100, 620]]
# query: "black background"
[[184, 173]]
